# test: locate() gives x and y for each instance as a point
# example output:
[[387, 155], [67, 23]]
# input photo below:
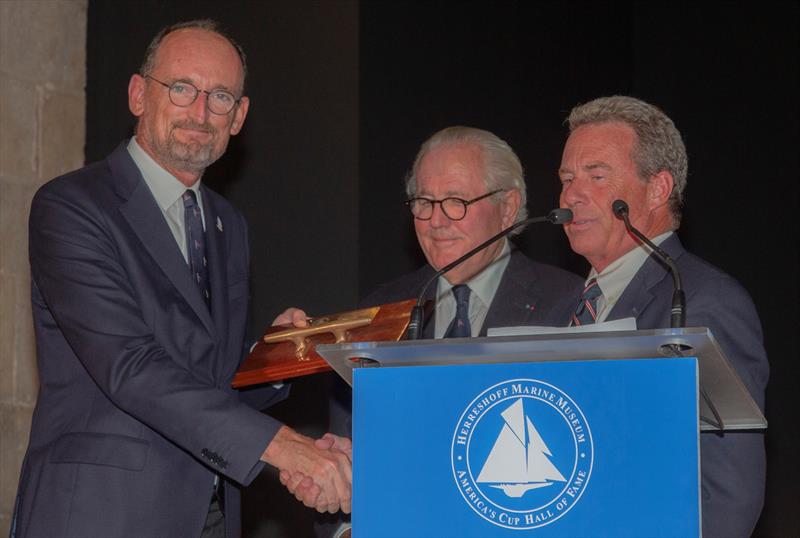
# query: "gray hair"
[[209, 25], [658, 146], [501, 166]]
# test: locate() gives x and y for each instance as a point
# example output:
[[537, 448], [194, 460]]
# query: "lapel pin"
[[219, 224]]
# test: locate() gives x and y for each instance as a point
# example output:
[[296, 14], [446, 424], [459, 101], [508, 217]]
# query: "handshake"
[[318, 472]]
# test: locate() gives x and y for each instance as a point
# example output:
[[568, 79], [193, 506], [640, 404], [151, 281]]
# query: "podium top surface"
[[721, 383]]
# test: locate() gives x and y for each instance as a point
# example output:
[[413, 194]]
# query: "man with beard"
[[139, 292], [621, 148]]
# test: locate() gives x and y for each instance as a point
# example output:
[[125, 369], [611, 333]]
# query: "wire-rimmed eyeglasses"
[[183, 94], [453, 208]]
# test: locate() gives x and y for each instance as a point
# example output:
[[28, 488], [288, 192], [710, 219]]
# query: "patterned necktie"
[[459, 327], [196, 244], [586, 313]]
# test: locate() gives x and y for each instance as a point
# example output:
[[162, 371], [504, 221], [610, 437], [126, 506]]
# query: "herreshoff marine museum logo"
[[522, 454]]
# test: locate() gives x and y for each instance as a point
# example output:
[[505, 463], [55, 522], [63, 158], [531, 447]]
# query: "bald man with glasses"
[[139, 278]]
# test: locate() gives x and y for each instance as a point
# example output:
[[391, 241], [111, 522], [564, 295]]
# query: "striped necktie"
[[459, 327], [586, 313], [196, 244]]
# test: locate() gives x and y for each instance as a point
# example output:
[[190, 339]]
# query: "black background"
[[343, 93]]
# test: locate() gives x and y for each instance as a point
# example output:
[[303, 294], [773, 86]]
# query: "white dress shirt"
[[168, 192]]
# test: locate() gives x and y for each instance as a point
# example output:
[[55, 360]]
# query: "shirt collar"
[[165, 187], [484, 285], [615, 278]]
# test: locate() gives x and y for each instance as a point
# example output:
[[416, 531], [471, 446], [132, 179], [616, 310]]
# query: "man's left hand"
[[292, 316]]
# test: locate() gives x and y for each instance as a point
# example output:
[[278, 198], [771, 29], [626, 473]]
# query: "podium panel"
[[582, 448]]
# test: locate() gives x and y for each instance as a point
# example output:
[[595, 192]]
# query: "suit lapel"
[[509, 306], [147, 222], [429, 309], [638, 295]]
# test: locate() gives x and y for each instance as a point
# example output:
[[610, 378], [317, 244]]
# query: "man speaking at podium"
[[621, 148]]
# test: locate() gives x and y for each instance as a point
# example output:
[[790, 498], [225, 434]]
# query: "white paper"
[[626, 324]]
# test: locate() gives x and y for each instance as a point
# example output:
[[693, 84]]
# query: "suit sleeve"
[[77, 268], [733, 463]]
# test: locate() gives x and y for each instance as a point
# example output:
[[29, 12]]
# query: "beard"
[[190, 156]]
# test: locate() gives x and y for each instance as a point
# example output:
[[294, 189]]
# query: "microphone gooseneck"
[[559, 215], [678, 312]]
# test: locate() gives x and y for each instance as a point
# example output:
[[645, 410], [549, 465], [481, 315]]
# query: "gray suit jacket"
[[135, 412], [733, 464]]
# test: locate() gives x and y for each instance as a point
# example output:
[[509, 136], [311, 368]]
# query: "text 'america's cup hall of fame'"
[[522, 454]]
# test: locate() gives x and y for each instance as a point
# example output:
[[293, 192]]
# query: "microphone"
[[678, 312], [559, 215]]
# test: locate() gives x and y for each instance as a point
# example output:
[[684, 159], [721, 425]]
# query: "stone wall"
[[42, 131]]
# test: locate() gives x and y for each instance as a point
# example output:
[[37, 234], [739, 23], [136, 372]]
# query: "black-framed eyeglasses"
[[183, 94], [452, 207]]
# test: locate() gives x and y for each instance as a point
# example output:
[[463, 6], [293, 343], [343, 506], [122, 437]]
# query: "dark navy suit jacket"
[[135, 412], [733, 464], [530, 293]]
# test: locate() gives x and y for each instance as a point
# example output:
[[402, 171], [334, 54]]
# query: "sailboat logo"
[[520, 459], [522, 454]]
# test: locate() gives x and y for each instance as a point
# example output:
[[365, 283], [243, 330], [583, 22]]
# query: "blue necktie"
[[196, 244], [459, 327], [586, 313]]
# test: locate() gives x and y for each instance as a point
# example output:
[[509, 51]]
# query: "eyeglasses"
[[452, 207], [183, 94]]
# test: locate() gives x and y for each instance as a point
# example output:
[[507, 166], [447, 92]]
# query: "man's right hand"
[[319, 477], [302, 486]]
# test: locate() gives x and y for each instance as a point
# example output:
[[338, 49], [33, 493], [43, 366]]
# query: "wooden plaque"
[[286, 352]]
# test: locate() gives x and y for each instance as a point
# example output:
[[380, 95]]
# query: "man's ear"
[[239, 114], [136, 90], [510, 207], [659, 189]]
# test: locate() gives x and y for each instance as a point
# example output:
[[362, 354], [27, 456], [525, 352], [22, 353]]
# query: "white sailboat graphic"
[[518, 461]]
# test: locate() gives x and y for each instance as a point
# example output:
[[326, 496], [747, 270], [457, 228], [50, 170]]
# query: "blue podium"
[[592, 434]]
